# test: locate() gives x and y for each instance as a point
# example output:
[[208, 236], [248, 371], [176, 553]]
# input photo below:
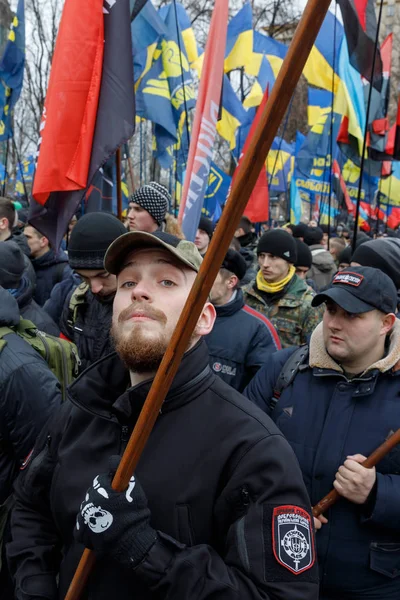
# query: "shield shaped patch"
[[292, 538]]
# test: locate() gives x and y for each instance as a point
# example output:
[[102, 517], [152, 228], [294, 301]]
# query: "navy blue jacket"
[[325, 418], [240, 343], [29, 392], [51, 268]]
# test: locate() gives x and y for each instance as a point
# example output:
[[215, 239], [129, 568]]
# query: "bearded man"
[[218, 495]]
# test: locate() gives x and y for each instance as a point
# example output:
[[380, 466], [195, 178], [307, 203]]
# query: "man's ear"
[[388, 322], [206, 321], [233, 281]]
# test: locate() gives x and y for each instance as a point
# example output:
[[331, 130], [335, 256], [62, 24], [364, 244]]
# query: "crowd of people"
[[290, 381]]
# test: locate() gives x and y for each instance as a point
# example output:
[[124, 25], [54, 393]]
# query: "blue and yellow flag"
[[319, 68], [319, 104], [217, 192], [272, 50], [24, 174], [185, 25], [12, 65], [167, 90], [239, 41], [232, 116], [265, 78], [279, 165]]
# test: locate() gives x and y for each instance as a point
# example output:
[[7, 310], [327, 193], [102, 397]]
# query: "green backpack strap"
[[4, 331], [77, 299]]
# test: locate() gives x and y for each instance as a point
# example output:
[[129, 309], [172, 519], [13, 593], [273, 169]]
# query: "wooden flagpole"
[[118, 178], [246, 177]]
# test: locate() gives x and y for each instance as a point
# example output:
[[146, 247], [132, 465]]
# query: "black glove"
[[116, 524]]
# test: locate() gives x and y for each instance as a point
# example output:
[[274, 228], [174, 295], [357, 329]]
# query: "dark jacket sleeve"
[[261, 387], [29, 396], [385, 510], [262, 346], [34, 551], [246, 569]]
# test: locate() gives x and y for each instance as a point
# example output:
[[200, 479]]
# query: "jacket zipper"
[[124, 438], [240, 533], [45, 344], [77, 361]]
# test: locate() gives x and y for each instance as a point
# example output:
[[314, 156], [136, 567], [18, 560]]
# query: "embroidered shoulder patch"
[[292, 538], [348, 278]]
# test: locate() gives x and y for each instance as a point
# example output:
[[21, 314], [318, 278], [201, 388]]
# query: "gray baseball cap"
[[186, 252]]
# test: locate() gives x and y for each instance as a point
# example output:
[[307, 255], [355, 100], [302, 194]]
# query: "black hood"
[[9, 311], [232, 307]]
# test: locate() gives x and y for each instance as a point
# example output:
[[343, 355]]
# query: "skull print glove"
[[116, 524]]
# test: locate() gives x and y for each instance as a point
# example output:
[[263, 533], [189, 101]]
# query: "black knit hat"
[[313, 236], [90, 238], [207, 226], [11, 265], [383, 254], [345, 256], [304, 256], [235, 263], [278, 243], [154, 198], [300, 230]]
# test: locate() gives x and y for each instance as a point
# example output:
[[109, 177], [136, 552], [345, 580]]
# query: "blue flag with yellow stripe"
[[12, 65], [239, 41], [320, 65], [319, 104]]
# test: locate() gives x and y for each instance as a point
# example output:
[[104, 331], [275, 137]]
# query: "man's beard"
[[141, 353]]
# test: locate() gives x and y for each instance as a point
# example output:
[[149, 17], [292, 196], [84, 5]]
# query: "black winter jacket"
[[33, 312], [29, 392], [214, 469], [241, 341], [91, 330], [50, 269]]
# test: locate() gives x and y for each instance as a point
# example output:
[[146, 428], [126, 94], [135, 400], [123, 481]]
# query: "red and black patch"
[[292, 538], [348, 278]]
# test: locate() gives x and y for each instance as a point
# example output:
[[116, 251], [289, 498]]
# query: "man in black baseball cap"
[[279, 293], [242, 338], [336, 403], [213, 463]]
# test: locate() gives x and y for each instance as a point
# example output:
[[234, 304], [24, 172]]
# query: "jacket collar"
[[292, 295], [319, 358], [232, 307], [103, 388]]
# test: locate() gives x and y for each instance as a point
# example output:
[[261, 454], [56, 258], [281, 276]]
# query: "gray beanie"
[[11, 265], [154, 198]]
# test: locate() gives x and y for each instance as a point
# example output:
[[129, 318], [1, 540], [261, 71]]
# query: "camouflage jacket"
[[292, 314]]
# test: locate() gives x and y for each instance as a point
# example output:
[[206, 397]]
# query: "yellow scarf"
[[273, 288]]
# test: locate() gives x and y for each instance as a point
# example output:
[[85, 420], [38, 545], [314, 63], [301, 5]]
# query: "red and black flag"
[[379, 121], [360, 25], [396, 144], [89, 109], [340, 188]]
